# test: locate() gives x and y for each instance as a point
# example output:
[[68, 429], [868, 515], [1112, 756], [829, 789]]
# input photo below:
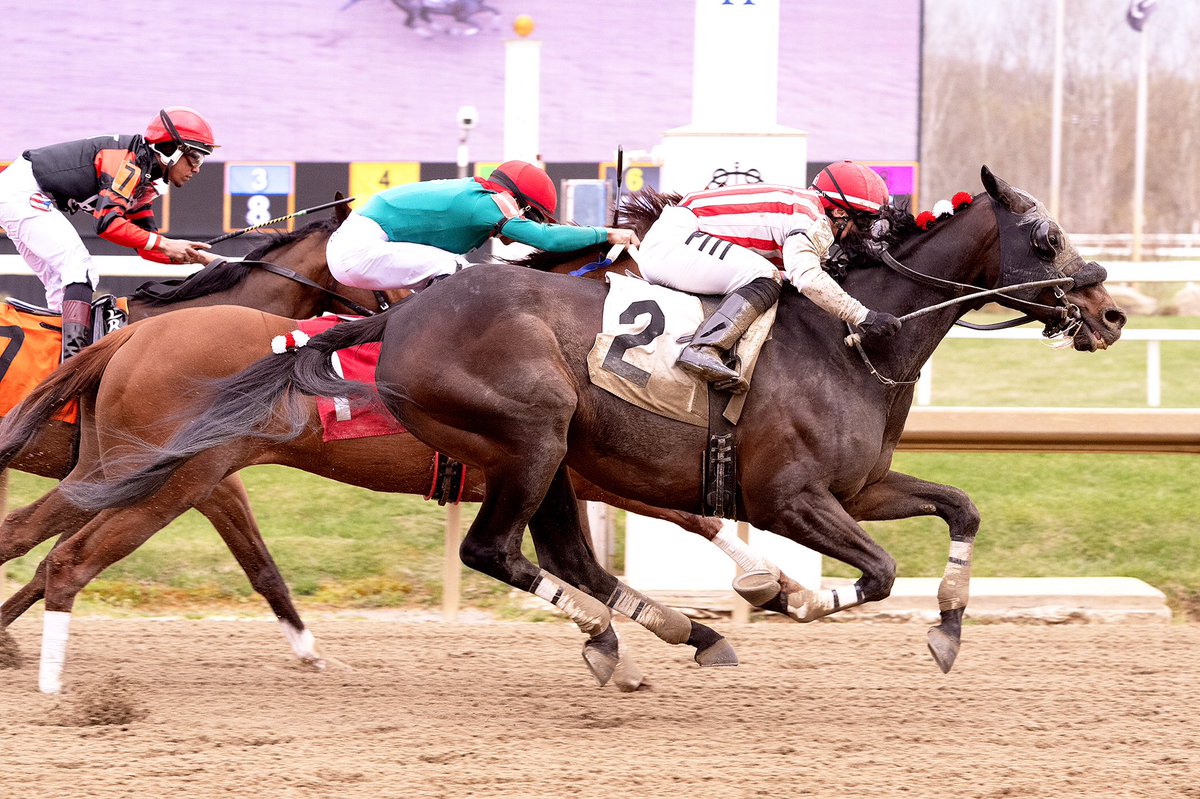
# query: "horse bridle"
[[1069, 315]]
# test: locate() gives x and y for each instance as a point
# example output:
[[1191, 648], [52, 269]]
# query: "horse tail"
[[263, 402], [78, 375]]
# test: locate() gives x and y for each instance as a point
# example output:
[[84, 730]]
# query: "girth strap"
[[719, 491], [449, 480]]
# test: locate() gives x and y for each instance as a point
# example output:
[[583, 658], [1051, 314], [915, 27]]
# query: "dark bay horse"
[[142, 382], [508, 392]]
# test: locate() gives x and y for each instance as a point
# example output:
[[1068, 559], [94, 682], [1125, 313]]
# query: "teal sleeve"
[[554, 238]]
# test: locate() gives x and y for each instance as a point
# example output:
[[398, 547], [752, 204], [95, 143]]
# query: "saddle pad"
[[338, 420], [635, 352], [32, 349]]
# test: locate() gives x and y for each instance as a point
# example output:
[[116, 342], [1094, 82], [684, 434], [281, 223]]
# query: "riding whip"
[[279, 219]]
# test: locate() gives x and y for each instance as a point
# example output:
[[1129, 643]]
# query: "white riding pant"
[[360, 255], [42, 234], [674, 253]]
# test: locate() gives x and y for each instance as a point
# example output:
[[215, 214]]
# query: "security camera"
[[468, 117]]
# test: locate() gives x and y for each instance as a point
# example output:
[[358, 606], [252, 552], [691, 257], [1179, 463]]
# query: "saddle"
[[31, 336]]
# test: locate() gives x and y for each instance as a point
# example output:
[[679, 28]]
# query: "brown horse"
[[125, 381], [287, 274], [509, 393]]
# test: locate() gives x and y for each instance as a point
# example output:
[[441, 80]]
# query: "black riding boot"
[[76, 318], [705, 355]]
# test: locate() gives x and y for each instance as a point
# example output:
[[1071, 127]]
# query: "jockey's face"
[[842, 223], [182, 171]]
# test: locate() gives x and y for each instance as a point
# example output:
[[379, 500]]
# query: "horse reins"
[[1065, 312], [296, 277]]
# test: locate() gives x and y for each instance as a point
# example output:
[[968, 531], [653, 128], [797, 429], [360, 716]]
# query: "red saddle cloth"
[[339, 420]]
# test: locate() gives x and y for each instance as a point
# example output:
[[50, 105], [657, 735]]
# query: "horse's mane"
[[224, 275], [895, 227]]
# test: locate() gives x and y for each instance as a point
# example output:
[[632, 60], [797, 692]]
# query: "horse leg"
[[562, 548], [817, 520], [899, 496], [110, 536], [47, 517], [492, 546], [228, 508]]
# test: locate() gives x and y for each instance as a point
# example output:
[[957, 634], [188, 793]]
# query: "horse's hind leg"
[[228, 508], [110, 536], [27, 527], [492, 545], [899, 496], [563, 549]]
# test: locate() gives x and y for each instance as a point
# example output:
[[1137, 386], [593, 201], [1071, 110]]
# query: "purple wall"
[[309, 80]]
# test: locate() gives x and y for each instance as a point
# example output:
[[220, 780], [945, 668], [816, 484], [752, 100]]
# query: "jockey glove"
[[879, 325]]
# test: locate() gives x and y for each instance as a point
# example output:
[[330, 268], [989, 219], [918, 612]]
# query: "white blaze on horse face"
[[56, 626]]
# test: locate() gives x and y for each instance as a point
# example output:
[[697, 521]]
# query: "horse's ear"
[[341, 211], [999, 189]]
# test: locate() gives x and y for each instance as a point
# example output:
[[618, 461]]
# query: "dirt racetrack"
[[217, 708]]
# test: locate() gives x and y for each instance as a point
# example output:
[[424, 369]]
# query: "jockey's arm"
[[553, 238], [802, 254]]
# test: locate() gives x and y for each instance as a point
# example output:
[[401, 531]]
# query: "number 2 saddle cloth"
[[635, 352]]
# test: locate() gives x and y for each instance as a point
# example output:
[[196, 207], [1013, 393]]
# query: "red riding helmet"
[[182, 126], [851, 186], [529, 184]]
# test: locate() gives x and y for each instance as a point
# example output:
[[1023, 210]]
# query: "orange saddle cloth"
[[32, 349]]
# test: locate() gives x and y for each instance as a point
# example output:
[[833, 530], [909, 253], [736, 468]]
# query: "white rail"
[[1153, 339]]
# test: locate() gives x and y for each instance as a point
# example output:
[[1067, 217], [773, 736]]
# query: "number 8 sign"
[[258, 192]]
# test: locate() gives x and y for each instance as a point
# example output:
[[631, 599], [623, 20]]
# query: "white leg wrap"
[[667, 623], [589, 613], [56, 626], [743, 555], [955, 587], [806, 605], [303, 644]]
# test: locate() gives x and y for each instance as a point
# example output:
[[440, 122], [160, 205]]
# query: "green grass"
[[975, 372], [1043, 515]]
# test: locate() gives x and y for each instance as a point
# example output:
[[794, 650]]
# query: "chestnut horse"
[[508, 392], [287, 274], [143, 381]]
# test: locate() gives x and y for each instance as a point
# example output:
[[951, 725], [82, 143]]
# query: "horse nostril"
[[1115, 317]]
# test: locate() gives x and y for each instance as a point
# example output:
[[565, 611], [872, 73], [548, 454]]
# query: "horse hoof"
[[601, 656], [10, 653], [718, 654], [943, 647], [628, 677], [757, 588], [313, 663]]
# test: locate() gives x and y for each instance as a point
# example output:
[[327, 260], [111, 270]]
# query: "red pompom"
[[925, 220], [960, 200]]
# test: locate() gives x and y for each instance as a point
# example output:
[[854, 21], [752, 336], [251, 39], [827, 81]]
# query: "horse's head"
[[1034, 248]]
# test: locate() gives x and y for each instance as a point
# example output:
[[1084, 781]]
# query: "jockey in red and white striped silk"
[[733, 241]]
